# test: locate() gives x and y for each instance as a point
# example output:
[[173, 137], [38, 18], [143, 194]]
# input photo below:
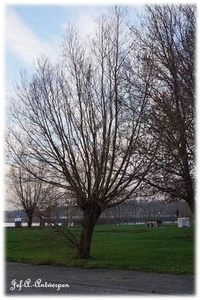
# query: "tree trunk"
[[191, 203], [187, 177], [190, 192], [91, 215], [30, 220]]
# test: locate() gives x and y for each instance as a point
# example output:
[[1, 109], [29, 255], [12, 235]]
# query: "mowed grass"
[[133, 247]]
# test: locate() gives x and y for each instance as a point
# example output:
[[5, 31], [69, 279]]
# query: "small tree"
[[29, 192]]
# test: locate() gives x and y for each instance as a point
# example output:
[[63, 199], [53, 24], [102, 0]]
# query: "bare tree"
[[29, 192], [168, 51], [84, 120]]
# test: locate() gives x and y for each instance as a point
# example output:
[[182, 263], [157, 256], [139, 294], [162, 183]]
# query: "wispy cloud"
[[84, 18], [85, 24], [23, 41]]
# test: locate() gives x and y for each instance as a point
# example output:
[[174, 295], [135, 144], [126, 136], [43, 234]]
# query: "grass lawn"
[[133, 247]]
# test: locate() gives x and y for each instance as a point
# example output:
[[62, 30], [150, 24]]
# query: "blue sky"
[[34, 30]]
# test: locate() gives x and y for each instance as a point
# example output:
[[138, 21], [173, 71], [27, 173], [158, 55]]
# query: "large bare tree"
[[167, 44], [84, 120]]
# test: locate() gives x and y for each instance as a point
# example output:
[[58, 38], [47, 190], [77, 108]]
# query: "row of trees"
[[114, 119], [136, 211]]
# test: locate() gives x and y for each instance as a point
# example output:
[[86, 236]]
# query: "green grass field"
[[133, 247]]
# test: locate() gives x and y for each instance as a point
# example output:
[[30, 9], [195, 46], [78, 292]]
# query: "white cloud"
[[84, 18], [85, 25], [23, 41]]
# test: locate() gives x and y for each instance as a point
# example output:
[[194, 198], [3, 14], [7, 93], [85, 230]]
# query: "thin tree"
[[168, 50]]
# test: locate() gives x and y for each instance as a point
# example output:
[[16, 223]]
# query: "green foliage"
[[135, 247]]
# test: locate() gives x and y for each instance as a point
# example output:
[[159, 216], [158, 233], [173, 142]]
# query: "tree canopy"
[[116, 114]]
